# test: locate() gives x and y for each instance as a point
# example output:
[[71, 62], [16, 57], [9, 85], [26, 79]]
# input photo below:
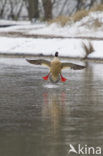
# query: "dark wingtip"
[[79, 67], [27, 60], [82, 67]]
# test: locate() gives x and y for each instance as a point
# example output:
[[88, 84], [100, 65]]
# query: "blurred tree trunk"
[[15, 9], [63, 7], [19, 10], [82, 4], [12, 16], [33, 9], [47, 5], [90, 4], [2, 8], [79, 5]]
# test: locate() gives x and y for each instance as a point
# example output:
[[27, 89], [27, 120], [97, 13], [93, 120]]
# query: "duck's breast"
[[55, 68]]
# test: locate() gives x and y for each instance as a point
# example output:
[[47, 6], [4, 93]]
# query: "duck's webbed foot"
[[46, 77], [63, 79]]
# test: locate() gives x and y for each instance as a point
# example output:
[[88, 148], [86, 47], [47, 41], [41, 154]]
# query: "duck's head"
[[56, 54]]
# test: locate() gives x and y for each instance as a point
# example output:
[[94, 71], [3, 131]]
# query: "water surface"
[[38, 118]]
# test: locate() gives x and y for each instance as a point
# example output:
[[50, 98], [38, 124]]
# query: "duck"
[[55, 68]]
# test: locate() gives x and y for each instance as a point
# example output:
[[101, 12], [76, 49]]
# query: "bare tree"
[[47, 5], [84, 4], [15, 8], [33, 9], [63, 7], [79, 4], [2, 7], [90, 4], [48, 9]]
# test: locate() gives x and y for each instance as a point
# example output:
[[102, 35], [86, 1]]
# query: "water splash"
[[51, 86]]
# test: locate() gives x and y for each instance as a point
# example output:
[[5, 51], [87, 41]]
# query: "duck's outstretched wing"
[[39, 62], [72, 66]]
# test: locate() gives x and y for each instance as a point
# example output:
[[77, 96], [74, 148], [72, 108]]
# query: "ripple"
[[51, 86]]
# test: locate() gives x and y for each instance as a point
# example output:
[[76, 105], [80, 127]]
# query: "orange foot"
[[63, 79], [46, 77]]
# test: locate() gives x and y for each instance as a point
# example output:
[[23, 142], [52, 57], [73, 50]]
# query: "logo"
[[84, 150]]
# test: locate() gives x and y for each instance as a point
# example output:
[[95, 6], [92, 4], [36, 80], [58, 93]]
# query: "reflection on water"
[[53, 108], [38, 118]]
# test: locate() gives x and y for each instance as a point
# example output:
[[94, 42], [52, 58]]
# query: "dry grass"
[[97, 8], [88, 48], [93, 24], [79, 15], [97, 23], [62, 20]]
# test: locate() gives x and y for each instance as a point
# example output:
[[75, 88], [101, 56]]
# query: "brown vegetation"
[[88, 48], [97, 8], [79, 15], [63, 20]]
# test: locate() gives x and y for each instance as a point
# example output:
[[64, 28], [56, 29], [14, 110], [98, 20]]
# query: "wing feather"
[[72, 66], [39, 62]]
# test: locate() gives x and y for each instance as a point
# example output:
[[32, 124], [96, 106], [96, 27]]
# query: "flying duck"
[[55, 68]]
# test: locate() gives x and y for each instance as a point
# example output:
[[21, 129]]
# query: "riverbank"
[[23, 39], [70, 48], [10, 55]]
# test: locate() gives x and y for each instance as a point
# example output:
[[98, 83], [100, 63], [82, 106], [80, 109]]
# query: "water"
[[38, 118]]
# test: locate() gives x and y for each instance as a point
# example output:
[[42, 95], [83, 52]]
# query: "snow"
[[70, 47], [85, 27], [66, 47]]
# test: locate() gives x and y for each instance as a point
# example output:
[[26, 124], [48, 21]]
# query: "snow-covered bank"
[[89, 26], [66, 47], [18, 39]]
